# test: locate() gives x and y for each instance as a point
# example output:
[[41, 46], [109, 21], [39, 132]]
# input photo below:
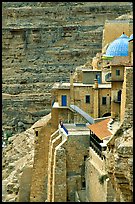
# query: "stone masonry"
[[120, 148]]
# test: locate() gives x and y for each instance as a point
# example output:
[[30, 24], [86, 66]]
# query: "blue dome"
[[118, 47]]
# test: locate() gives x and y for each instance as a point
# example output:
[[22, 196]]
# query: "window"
[[36, 133], [87, 98], [103, 100], [64, 100], [117, 72]]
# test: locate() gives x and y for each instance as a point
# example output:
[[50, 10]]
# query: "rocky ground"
[[18, 154]]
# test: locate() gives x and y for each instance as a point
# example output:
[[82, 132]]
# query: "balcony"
[[97, 150]]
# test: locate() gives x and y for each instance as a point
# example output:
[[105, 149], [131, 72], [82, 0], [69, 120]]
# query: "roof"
[[120, 60], [100, 129], [91, 70], [42, 122], [118, 47], [61, 85]]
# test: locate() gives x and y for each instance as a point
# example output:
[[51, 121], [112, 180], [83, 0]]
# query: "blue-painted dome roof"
[[118, 47]]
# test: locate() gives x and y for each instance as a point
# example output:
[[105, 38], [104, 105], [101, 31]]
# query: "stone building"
[[71, 154]]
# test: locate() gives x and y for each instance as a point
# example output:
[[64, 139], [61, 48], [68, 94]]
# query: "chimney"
[[96, 83], [71, 88], [71, 78]]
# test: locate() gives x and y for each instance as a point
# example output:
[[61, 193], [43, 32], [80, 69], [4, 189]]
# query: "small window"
[[103, 100], [117, 72], [87, 98], [36, 133]]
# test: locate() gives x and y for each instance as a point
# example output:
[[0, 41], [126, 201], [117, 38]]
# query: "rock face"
[[17, 156], [120, 151], [120, 167], [41, 43]]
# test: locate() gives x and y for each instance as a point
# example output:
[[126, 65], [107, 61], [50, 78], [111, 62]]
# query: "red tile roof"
[[100, 129]]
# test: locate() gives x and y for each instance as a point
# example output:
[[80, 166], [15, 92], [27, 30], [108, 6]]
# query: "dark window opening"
[[119, 95], [107, 76], [83, 184], [87, 98], [106, 114], [36, 133], [85, 157], [117, 72], [103, 100]]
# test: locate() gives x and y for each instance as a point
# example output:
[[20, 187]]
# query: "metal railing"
[[97, 150], [65, 129]]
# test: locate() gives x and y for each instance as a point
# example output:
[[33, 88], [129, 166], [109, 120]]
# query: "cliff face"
[[18, 157], [120, 151], [41, 43]]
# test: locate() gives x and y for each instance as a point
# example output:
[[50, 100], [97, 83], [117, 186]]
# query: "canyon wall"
[[41, 43]]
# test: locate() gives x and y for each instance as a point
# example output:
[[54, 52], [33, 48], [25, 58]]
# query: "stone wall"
[[59, 182], [127, 98], [25, 185], [111, 33], [76, 153], [66, 166], [41, 43], [94, 170], [54, 141], [40, 166]]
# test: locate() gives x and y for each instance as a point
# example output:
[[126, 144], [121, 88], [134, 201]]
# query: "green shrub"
[[102, 178], [8, 134]]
